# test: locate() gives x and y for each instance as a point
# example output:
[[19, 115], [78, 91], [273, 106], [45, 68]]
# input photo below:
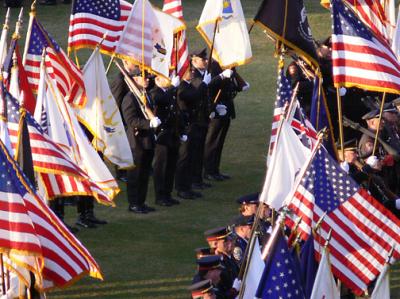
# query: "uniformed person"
[[140, 129], [209, 267], [221, 236], [204, 251], [222, 91], [168, 136], [202, 290], [190, 96], [242, 232]]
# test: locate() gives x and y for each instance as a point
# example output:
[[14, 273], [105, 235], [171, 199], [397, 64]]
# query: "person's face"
[[373, 123], [250, 209], [224, 246], [214, 275], [142, 82], [162, 82], [199, 63], [350, 156], [246, 229], [209, 296]]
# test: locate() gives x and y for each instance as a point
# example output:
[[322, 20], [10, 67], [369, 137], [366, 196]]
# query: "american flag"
[[90, 19], [59, 174], [372, 13], [281, 277], [363, 231], [174, 8], [359, 58], [29, 226], [59, 66], [283, 97]]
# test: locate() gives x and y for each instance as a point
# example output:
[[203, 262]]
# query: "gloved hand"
[[372, 161], [207, 78], [212, 115], [175, 81], [226, 74], [342, 91], [246, 87], [183, 138], [155, 122], [221, 109], [345, 166], [236, 284]]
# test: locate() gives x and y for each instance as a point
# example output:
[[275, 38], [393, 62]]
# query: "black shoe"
[[185, 195], [213, 177], [149, 209], [206, 185], [95, 220], [224, 176], [198, 186], [173, 201], [137, 209], [85, 223], [163, 203], [196, 194]]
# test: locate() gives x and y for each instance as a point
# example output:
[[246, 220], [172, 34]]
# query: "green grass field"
[[152, 256]]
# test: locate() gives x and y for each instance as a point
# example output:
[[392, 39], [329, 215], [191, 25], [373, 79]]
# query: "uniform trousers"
[[165, 158], [215, 139], [183, 173], [138, 177], [196, 163]]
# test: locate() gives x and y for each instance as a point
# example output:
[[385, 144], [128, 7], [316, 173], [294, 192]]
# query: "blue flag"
[[280, 278], [308, 265]]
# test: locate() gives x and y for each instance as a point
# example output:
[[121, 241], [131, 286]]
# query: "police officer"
[[209, 267], [222, 91], [202, 290], [140, 128], [190, 97], [242, 233], [168, 136]]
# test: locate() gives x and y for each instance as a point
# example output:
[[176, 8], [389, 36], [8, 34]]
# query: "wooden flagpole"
[[32, 15], [340, 116], [379, 124]]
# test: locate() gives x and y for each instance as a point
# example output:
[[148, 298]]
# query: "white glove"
[[398, 203], [345, 166], [221, 109], [175, 81], [372, 161], [226, 74], [212, 115], [236, 284], [207, 78], [342, 91], [246, 87], [183, 138], [155, 122]]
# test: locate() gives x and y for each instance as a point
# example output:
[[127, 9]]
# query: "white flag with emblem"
[[232, 43], [382, 286], [101, 114]]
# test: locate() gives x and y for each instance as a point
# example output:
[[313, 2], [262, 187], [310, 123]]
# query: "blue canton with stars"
[[345, 22], [283, 91], [40, 39], [280, 279], [329, 184], [109, 9]]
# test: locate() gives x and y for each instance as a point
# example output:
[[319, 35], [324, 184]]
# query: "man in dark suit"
[[140, 128], [169, 134], [225, 85]]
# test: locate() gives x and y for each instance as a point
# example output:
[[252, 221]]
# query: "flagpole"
[[340, 116], [3, 282], [379, 124], [32, 15], [212, 46], [143, 23]]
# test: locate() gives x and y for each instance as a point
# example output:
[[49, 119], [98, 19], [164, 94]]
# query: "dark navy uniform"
[[239, 249]]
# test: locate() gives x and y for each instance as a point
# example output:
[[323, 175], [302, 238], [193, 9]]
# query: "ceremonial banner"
[[382, 285], [254, 273], [3, 38], [101, 115], [286, 21], [174, 8], [232, 43], [362, 230], [359, 57], [90, 19]]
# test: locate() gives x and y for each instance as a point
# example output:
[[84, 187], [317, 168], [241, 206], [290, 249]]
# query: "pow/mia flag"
[[286, 21]]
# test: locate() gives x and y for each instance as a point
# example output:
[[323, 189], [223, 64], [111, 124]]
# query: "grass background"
[[152, 256]]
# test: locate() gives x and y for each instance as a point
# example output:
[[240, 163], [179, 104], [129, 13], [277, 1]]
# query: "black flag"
[[286, 21]]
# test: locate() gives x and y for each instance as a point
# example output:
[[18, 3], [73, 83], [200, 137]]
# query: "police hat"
[[211, 262], [243, 220], [202, 53], [389, 107], [204, 251], [249, 199], [372, 114], [218, 233], [200, 288]]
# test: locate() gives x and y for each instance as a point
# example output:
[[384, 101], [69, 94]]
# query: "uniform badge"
[[237, 253]]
